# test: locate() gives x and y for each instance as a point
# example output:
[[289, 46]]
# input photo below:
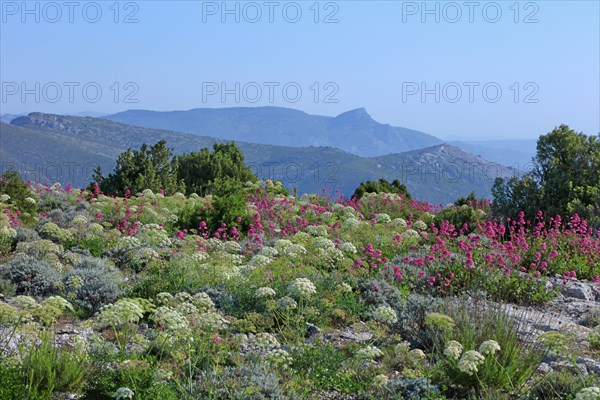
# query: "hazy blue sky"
[[543, 56]]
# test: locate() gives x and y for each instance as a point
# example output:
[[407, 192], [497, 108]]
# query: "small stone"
[[592, 366], [544, 368], [312, 330], [579, 290]]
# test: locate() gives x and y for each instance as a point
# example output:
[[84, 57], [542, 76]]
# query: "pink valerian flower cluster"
[[223, 232], [13, 218], [371, 258]]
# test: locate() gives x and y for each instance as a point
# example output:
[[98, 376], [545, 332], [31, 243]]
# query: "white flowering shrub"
[[127, 242], [589, 393], [322, 243], [199, 257], [453, 350], [23, 302], [260, 260], [140, 256], [385, 314], [153, 235], [337, 207], [351, 223], [120, 313], [287, 248], [326, 216], [330, 257], [380, 380], [59, 303], [211, 321], [123, 393], [95, 228], [264, 292], [80, 220], [410, 234], [369, 353], [286, 303], [489, 347], [186, 309], [6, 238], [419, 225], [470, 361], [203, 302], [348, 248], [279, 358], [232, 247], [269, 252], [165, 299], [317, 230], [169, 320], [302, 288], [264, 340], [214, 245], [344, 288], [55, 233], [383, 218]]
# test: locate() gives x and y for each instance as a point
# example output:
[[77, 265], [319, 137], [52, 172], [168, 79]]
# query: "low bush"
[[33, 277], [93, 283]]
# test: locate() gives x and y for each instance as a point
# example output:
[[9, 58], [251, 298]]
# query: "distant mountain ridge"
[[51, 148], [354, 131]]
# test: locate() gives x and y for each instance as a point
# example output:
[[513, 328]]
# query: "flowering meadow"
[[312, 297]]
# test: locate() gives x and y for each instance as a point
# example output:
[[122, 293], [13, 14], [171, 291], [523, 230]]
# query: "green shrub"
[[139, 376], [12, 384], [381, 186], [48, 370], [563, 384], [460, 216], [329, 373], [476, 322], [21, 197], [228, 204]]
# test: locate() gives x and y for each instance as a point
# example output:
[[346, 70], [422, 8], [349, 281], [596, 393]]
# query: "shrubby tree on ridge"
[[565, 179], [381, 186]]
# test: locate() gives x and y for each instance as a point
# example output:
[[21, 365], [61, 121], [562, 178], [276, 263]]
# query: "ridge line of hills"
[[49, 148]]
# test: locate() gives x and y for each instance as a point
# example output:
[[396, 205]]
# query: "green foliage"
[[565, 179], [48, 370], [227, 206], [381, 186], [200, 171], [21, 197], [331, 372], [150, 167], [12, 386], [562, 384], [509, 369], [461, 215], [140, 376]]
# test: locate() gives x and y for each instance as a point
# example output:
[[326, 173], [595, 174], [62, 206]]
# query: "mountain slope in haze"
[[438, 174], [353, 131], [6, 118], [514, 153]]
